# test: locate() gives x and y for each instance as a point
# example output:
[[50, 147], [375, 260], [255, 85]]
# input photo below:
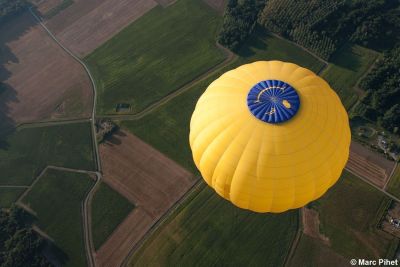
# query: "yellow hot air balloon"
[[270, 136]]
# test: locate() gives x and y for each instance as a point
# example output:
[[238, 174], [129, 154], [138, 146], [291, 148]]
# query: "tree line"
[[319, 25], [382, 85]]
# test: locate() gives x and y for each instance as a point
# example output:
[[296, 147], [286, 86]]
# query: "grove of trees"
[[20, 246], [239, 21], [382, 85], [322, 26], [8, 8]]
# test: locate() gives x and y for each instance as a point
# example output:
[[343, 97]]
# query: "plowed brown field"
[[369, 164], [153, 182], [41, 80], [87, 24]]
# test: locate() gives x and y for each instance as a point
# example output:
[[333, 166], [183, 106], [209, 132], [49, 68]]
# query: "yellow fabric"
[[269, 167]]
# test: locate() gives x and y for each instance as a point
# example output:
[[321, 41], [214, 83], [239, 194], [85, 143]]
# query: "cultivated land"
[[46, 6], [209, 231], [109, 209], [86, 24], [27, 152], [394, 183], [369, 164], [148, 179], [218, 5], [41, 80], [8, 195], [167, 127], [311, 252], [56, 200], [155, 55], [345, 68], [349, 214]]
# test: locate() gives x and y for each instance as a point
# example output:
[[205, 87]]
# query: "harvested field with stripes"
[[368, 164], [86, 24], [147, 178], [41, 80]]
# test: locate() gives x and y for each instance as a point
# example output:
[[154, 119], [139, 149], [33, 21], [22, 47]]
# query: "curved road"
[[86, 204]]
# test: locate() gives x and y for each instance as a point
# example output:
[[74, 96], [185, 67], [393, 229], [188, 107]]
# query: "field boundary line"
[[390, 175], [14, 186], [357, 85], [94, 89], [296, 240], [161, 220], [45, 123], [230, 57], [87, 222], [376, 187], [48, 167], [85, 210], [299, 46]]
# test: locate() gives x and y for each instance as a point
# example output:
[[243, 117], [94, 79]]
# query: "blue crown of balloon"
[[273, 101]]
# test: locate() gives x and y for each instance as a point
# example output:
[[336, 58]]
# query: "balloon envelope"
[[270, 136]]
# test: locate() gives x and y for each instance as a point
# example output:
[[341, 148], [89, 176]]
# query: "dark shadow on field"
[[346, 58], [54, 254], [120, 133], [255, 41], [11, 30], [113, 140]]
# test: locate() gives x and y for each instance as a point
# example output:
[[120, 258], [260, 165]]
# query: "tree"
[[391, 119], [239, 21]]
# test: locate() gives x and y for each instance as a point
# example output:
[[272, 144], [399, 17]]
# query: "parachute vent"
[[273, 101]]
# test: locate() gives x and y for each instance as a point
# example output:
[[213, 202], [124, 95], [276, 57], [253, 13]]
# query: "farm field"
[[167, 127], [41, 81], [109, 209], [84, 25], [311, 252], [155, 55], [218, 5], [45, 6], [349, 213], [56, 200], [147, 178], [27, 152], [8, 195], [237, 237], [369, 164], [345, 68], [394, 183]]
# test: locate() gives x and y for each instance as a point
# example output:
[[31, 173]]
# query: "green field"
[[108, 210], [349, 213], [394, 183], [311, 252], [345, 68], [210, 231], [167, 127], [57, 201], [155, 55], [263, 46], [8, 195], [29, 151]]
